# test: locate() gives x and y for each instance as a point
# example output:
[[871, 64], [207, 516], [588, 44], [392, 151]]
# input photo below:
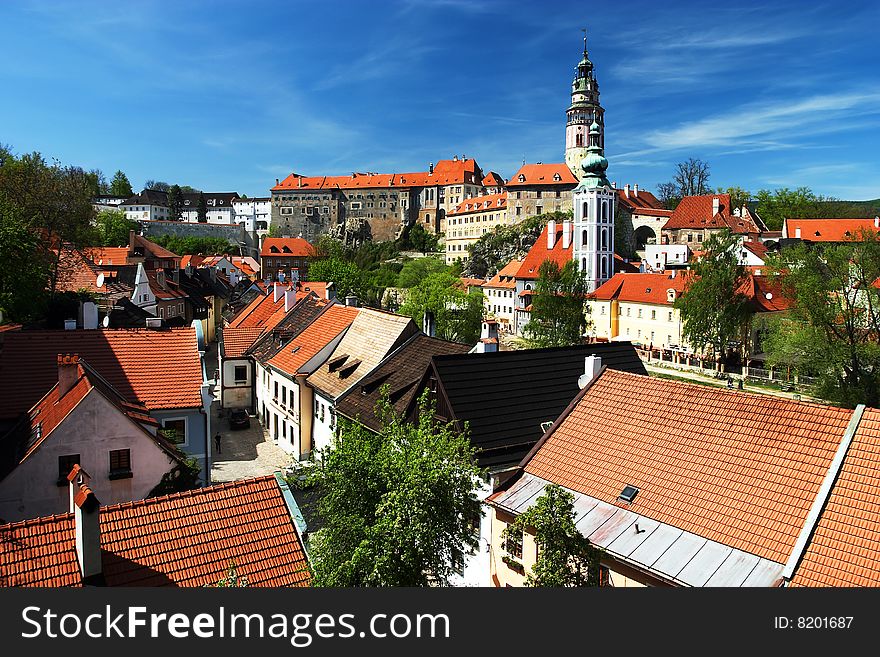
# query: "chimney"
[[744, 212], [68, 372], [86, 511], [69, 324], [189, 269], [488, 337], [551, 234], [626, 190], [160, 279], [429, 325], [797, 233], [614, 185], [330, 291], [277, 292], [430, 167], [89, 315], [233, 278], [716, 205], [566, 234], [153, 322], [592, 366], [175, 275], [351, 300], [289, 299], [636, 189], [876, 222], [299, 181], [277, 182]]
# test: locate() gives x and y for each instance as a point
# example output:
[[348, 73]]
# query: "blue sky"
[[227, 96]]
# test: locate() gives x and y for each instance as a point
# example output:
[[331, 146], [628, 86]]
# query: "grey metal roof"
[[662, 550]]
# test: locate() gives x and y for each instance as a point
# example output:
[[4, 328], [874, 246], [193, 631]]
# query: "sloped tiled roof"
[[236, 341], [642, 202], [401, 372], [506, 395], [295, 322], [185, 539], [106, 255], [153, 249], [480, 204], [733, 467], [447, 172], [843, 550], [136, 362], [642, 287], [542, 174], [492, 179], [286, 246], [696, 212], [757, 248], [264, 312], [317, 335], [506, 276], [539, 252], [829, 230], [372, 336]]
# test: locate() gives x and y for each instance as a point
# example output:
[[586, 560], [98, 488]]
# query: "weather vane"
[[584, 30]]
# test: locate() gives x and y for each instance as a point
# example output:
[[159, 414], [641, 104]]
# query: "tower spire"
[[584, 30]]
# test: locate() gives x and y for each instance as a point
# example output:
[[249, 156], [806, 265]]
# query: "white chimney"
[[429, 325], [566, 234], [592, 366], [277, 292], [154, 322], [86, 521], [551, 234], [626, 190], [351, 300], [233, 277], [289, 300], [876, 222], [330, 291], [636, 189], [68, 372], [69, 324], [90, 315], [488, 337], [716, 205], [797, 233]]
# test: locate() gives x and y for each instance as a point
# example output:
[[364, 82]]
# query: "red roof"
[[530, 175], [263, 311], [156, 251], [829, 230], [185, 539], [447, 172], [766, 295], [286, 246], [757, 248], [313, 338], [106, 255], [506, 276], [238, 340], [136, 362], [539, 253], [738, 468], [642, 202], [696, 212], [492, 179], [480, 204], [642, 287]]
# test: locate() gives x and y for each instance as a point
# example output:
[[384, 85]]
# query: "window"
[[322, 412], [286, 210], [120, 464], [65, 465], [538, 194], [284, 395], [670, 315], [540, 208], [640, 313], [180, 307], [174, 430], [316, 407], [240, 373], [275, 396], [653, 314], [514, 543], [518, 211], [627, 312], [602, 310]]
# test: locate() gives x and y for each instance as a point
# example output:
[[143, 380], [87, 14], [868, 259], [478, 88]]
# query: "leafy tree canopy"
[[190, 245], [113, 227], [120, 186], [457, 314], [558, 316]]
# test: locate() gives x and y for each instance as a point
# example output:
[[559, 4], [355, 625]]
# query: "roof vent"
[[768, 296], [628, 494]]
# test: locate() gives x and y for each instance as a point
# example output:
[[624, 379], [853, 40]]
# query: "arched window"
[[583, 264], [579, 139], [604, 211], [604, 266], [584, 239], [604, 239], [586, 211]]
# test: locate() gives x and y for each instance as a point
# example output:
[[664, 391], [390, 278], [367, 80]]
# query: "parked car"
[[239, 419]]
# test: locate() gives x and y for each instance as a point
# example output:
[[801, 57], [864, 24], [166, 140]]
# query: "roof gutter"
[[822, 496]]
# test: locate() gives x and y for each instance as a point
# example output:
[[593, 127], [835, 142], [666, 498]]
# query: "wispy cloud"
[[378, 62]]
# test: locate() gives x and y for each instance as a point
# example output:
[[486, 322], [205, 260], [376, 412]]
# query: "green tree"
[[231, 579], [396, 505], [157, 185], [203, 208], [558, 310], [275, 231], [417, 270], [832, 330], [175, 203], [498, 247], [565, 556], [113, 227], [347, 276], [714, 308], [22, 286], [420, 239], [457, 314], [776, 206], [120, 186], [738, 196], [191, 245]]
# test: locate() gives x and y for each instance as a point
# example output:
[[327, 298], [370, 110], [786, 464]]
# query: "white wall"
[[476, 564], [323, 422], [92, 429], [233, 393]]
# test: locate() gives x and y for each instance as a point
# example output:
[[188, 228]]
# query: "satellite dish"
[[99, 282], [101, 261], [768, 296], [106, 321]]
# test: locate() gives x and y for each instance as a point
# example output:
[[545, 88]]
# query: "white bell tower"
[[595, 204]]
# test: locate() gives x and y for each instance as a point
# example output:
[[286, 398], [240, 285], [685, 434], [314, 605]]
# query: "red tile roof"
[[757, 248], [447, 172], [106, 255], [642, 287], [542, 174], [286, 246], [152, 248], [315, 337], [829, 230], [506, 276], [480, 204], [492, 179], [185, 539], [263, 311], [238, 340], [766, 295], [843, 550], [136, 362], [696, 212], [643, 202], [539, 253], [733, 467]]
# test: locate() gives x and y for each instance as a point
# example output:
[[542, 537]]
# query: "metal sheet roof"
[[662, 550]]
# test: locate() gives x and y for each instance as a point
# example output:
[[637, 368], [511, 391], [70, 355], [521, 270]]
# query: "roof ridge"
[[193, 492]]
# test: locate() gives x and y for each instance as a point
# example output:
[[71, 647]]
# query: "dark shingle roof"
[[401, 371], [505, 396]]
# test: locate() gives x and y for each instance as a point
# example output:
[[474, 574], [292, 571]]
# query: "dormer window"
[[557, 177], [522, 178]]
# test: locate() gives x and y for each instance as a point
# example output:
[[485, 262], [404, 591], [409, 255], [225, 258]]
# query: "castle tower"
[[584, 111], [594, 205]]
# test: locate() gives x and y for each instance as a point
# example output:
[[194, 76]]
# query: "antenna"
[[99, 282]]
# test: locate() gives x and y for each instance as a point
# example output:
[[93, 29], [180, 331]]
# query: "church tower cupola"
[[584, 111]]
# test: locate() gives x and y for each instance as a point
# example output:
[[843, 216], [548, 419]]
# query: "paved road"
[[722, 383]]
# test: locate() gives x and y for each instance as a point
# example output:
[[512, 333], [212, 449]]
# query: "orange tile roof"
[[480, 204], [641, 287], [644, 202], [843, 550], [696, 212], [737, 468], [757, 248], [539, 253], [238, 340], [829, 230], [492, 179], [185, 539], [313, 338], [106, 255], [154, 249], [447, 172], [76, 273], [263, 311], [542, 174], [767, 294], [295, 246], [506, 276], [134, 361]]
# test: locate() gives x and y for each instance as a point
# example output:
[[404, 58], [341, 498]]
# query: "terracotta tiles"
[[829, 230], [447, 172], [539, 253], [845, 546], [736, 468], [641, 287], [238, 340], [313, 338], [136, 362], [286, 246], [542, 174], [185, 539], [480, 204]]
